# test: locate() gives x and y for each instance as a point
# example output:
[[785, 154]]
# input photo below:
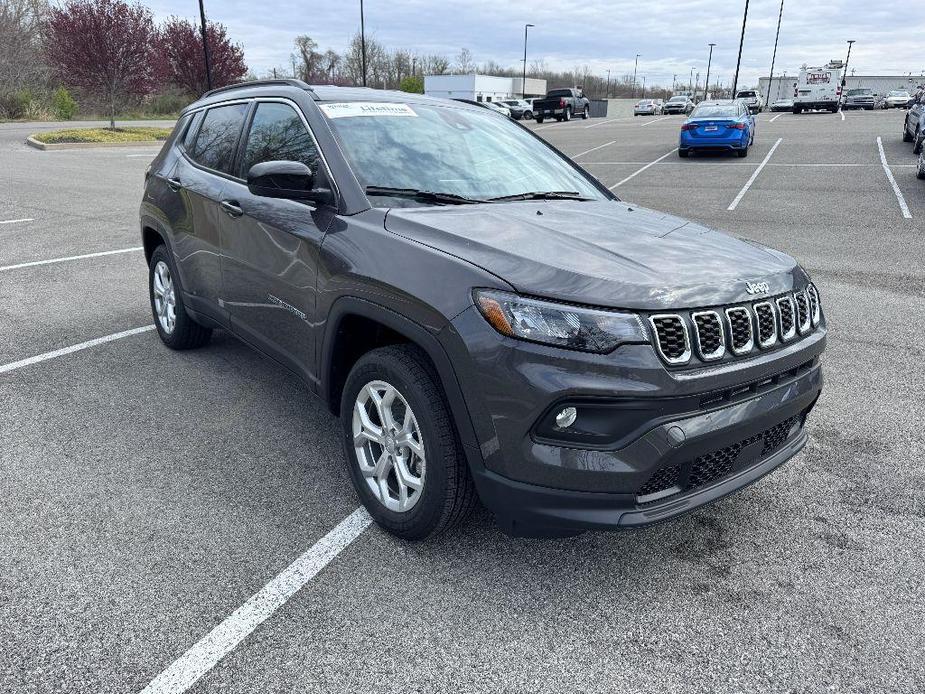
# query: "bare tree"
[[21, 63], [309, 62], [464, 62]]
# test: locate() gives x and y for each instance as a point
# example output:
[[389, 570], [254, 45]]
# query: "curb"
[[32, 142]]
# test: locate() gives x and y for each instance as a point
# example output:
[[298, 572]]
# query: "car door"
[[199, 177], [270, 246]]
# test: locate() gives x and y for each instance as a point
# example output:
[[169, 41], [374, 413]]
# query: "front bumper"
[[681, 438]]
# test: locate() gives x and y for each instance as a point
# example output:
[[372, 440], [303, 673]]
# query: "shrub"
[[63, 104], [414, 84]]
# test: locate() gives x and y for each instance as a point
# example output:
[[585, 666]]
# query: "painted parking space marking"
[[657, 120], [16, 221], [51, 261], [904, 208], [594, 149], [639, 171], [12, 366], [775, 117], [748, 183], [210, 649], [610, 120]]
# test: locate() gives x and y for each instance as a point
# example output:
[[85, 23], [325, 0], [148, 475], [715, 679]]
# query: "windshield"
[[746, 95], [446, 149], [715, 111], [859, 92], [559, 92], [678, 98], [899, 93]]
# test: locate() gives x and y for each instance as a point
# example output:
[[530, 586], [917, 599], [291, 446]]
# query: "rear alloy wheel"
[[586, 113], [174, 325], [568, 114], [404, 457]]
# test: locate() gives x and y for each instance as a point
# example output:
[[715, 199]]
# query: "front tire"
[[917, 143], [539, 119], [568, 114], [907, 136], [402, 450], [586, 114], [176, 328]]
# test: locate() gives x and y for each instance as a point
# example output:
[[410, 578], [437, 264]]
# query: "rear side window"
[[191, 131], [218, 137], [278, 134]]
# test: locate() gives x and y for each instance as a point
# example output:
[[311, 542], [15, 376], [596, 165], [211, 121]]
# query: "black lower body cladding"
[[648, 443]]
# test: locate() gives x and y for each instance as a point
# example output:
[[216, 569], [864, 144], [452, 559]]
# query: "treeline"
[[90, 57]]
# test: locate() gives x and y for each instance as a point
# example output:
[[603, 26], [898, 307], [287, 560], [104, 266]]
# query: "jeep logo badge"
[[757, 287]]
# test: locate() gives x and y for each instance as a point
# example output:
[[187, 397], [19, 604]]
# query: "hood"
[[605, 253]]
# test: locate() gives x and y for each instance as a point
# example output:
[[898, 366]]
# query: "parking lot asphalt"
[[148, 494]]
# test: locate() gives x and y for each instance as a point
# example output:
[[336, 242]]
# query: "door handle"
[[174, 184], [231, 208]]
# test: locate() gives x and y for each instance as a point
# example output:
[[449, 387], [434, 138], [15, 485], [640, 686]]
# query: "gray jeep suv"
[[487, 319]]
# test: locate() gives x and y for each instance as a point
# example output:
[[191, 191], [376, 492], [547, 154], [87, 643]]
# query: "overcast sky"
[[670, 35]]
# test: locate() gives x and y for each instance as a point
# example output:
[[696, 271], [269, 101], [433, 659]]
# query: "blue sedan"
[[718, 126]]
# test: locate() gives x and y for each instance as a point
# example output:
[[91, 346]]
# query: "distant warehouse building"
[[481, 87], [782, 86]]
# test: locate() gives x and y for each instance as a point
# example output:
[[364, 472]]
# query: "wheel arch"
[[380, 326]]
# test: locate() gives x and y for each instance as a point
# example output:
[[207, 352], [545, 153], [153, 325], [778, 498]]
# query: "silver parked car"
[[860, 98], [898, 98], [782, 105], [647, 107], [678, 104]]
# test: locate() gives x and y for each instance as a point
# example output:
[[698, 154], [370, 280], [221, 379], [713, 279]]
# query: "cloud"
[[670, 35]]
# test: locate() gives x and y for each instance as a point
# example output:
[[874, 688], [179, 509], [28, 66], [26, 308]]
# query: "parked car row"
[[914, 129]]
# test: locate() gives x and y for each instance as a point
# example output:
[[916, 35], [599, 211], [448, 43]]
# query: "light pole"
[[690, 83], [205, 45], [844, 77], [362, 43], [735, 80], [706, 87], [774, 54], [523, 84], [643, 87], [607, 92], [635, 65]]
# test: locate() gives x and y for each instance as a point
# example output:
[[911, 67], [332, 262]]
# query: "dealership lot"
[[150, 494]]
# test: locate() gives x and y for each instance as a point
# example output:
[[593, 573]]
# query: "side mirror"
[[292, 180]]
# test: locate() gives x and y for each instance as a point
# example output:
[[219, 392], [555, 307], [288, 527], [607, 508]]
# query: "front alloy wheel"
[[388, 446]]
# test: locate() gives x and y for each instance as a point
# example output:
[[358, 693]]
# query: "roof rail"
[[259, 83]]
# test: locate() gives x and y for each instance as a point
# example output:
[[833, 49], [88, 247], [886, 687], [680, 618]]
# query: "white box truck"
[[818, 88]]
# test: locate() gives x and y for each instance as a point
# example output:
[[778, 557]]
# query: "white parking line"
[[748, 183], [16, 221], [639, 171], [139, 155], [889, 174], [210, 649], [588, 151], [775, 117], [604, 122], [5, 368], [655, 121], [50, 261]]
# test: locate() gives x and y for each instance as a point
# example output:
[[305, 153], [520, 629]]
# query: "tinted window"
[[560, 92], [190, 136], [716, 111], [278, 134], [218, 136]]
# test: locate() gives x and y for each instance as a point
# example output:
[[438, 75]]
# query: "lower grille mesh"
[[714, 465]]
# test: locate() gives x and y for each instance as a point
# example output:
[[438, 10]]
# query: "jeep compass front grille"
[[712, 334]]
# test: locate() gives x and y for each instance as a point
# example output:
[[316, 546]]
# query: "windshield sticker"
[[366, 108]]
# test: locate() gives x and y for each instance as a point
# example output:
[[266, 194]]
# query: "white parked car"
[[500, 108], [751, 99], [898, 98], [647, 107]]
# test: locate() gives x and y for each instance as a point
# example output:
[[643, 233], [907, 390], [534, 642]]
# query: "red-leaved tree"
[[184, 62], [106, 47]]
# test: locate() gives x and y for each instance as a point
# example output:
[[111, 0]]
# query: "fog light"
[[566, 417]]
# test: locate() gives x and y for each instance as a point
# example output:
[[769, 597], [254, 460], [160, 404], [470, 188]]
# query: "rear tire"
[[917, 143], [586, 114], [568, 114], [797, 110], [539, 119], [174, 325], [684, 153], [907, 137], [920, 172], [742, 153], [446, 494]]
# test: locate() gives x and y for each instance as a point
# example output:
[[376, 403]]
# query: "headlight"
[[562, 325]]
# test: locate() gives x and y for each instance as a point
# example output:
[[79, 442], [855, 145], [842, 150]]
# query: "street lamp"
[[523, 84], [844, 77], [735, 81], [643, 87], [690, 83], [774, 55], [635, 65], [607, 92], [706, 87], [362, 43], [205, 45]]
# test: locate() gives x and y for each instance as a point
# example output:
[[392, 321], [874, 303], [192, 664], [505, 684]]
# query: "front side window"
[[277, 133], [463, 151], [218, 137]]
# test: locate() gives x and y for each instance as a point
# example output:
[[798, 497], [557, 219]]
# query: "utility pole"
[[205, 45], [363, 43], [774, 54], [690, 83], [643, 86], [674, 82], [635, 65], [607, 92], [706, 87], [414, 60], [844, 75], [735, 81], [523, 84]]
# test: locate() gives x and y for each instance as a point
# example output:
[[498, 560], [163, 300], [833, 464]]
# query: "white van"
[[818, 88]]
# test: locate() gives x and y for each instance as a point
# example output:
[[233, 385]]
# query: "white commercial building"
[[481, 87]]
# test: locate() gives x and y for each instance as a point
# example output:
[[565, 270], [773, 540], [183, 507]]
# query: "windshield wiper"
[[542, 195], [422, 195]]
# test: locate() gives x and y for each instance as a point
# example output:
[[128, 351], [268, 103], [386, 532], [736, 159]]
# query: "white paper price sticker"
[[366, 108]]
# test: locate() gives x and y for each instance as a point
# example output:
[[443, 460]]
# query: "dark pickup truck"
[[561, 104]]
